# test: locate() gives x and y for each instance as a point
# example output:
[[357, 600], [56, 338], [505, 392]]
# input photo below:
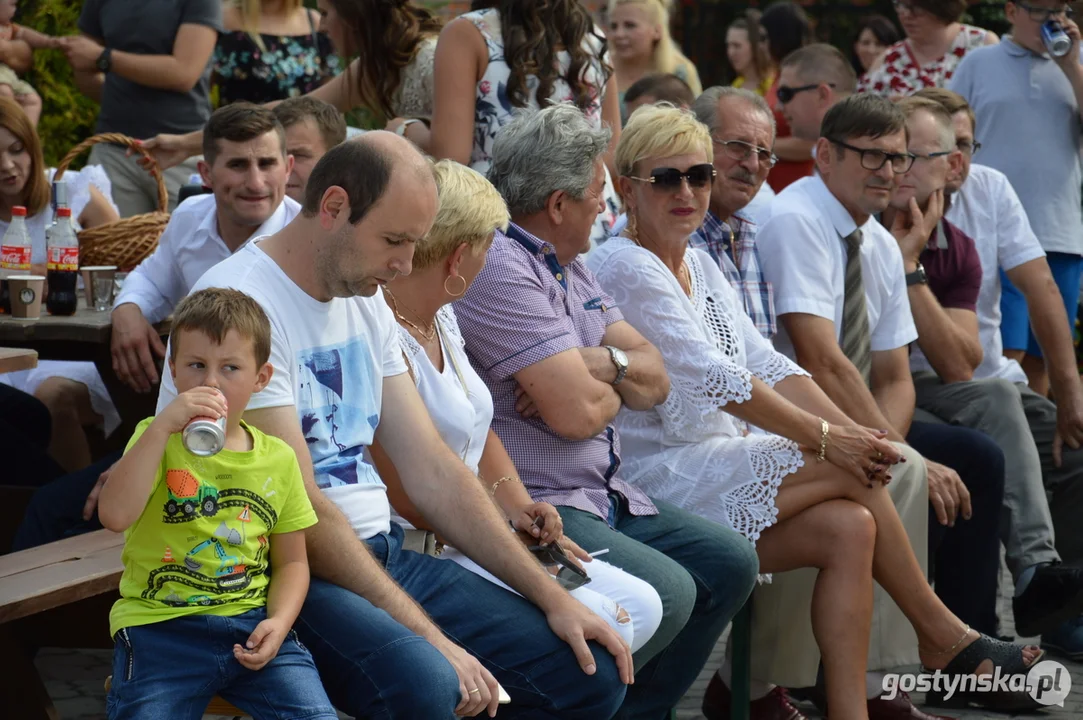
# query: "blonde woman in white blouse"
[[444, 266], [746, 438]]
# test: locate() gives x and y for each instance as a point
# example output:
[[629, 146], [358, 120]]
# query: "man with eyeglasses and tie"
[[1027, 102], [1042, 536], [844, 315]]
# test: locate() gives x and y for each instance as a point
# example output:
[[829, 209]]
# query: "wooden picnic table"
[[14, 359], [84, 336], [44, 584]]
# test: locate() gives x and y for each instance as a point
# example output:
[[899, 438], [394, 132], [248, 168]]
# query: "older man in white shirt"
[[1033, 431], [246, 166]]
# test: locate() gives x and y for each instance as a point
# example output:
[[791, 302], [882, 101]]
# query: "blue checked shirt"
[[733, 246]]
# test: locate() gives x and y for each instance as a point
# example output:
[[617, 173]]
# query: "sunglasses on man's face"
[[698, 176], [786, 93]]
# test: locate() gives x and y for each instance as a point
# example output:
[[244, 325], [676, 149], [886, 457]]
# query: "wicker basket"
[[127, 241]]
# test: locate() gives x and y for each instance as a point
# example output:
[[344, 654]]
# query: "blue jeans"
[[375, 668], [703, 572], [966, 557], [170, 670]]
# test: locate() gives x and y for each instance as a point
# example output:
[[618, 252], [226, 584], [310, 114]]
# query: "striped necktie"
[[855, 317]]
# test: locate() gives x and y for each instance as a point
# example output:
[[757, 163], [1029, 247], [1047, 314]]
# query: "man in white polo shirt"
[[246, 165], [1027, 104], [983, 205]]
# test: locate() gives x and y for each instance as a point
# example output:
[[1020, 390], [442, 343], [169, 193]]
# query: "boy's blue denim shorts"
[[171, 670]]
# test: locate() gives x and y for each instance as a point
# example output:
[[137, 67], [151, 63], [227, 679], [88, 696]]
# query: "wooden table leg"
[[21, 686]]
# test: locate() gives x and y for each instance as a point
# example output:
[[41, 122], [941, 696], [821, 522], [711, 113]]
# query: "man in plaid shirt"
[[743, 130]]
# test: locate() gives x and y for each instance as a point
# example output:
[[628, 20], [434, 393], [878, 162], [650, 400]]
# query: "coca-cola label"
[[63, 258], [15, 257]]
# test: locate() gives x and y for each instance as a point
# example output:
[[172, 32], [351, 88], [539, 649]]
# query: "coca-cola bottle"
[[62, 249], [14, 252]]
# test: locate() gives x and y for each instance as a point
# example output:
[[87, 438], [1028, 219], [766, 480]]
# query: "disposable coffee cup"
[[27, 293], [89, 274]]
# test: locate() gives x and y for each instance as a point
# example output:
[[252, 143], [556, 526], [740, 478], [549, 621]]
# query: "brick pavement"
[[75, 680]]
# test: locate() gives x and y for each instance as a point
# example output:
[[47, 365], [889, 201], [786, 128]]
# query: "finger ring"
[[475, 690], [879, 456]]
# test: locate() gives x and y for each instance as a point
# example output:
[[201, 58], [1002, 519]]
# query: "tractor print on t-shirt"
[[218, 561]]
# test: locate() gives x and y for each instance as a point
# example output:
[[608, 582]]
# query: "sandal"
[[1007, 659]]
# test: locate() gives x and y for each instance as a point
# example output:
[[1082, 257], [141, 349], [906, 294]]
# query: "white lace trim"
[[751, 508], [778, 368]]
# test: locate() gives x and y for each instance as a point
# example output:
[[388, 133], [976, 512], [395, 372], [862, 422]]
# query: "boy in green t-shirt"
[[200, 613]]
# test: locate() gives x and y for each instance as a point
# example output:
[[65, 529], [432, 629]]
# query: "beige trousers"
[[784, 651]]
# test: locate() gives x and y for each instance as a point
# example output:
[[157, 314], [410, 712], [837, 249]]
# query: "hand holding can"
[[205, 435]]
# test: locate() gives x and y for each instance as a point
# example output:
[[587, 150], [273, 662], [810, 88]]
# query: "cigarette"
[[600, 552]]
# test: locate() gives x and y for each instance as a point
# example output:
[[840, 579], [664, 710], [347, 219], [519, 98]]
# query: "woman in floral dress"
[[935, 44]]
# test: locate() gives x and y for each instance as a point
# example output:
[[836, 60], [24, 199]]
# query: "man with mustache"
[[743, 133], [246, 165]]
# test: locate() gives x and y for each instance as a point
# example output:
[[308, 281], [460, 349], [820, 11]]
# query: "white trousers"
[[609, 590]]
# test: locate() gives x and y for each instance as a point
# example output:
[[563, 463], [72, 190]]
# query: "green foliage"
[[68, 116]]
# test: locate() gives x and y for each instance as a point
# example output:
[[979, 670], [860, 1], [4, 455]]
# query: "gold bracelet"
[[824, 428], [492, 493]]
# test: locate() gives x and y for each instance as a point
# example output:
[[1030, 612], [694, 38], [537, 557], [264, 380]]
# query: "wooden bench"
[[55, 595]]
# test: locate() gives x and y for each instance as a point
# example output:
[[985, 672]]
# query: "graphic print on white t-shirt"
[[330, 360], [336, 407]]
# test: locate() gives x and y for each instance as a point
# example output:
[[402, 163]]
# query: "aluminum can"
[[204, 436], [1055, 38]]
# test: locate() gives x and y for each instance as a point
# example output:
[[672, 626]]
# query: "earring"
[[448, 290], [632, 228]]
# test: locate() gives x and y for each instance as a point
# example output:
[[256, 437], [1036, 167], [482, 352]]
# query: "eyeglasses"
[[698, 176], [740, 151], [970, 148], [932, 156], [872, 159], [786, 93], [1041, 14]]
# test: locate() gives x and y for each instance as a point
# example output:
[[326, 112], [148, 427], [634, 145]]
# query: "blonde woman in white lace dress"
[[745, 437]]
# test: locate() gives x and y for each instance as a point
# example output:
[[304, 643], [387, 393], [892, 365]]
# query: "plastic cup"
[[98, 286]]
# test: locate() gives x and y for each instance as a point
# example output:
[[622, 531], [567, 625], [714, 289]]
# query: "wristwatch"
[[918, 277], [620, 360], [105, 60]]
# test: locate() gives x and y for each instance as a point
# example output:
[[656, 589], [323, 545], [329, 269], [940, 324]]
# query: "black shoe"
[[1055, 594]]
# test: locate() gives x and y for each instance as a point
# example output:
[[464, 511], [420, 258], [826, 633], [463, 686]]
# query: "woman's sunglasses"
[[698, 176]]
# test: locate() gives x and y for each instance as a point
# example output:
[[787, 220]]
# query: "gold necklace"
[[681, 271], [429, 335]]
